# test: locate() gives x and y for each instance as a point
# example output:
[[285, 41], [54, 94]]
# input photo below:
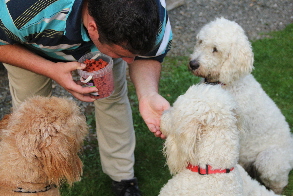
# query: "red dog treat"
[[105, 83], [94, 65]]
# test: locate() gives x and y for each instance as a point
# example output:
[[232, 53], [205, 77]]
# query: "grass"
[[273, 69]]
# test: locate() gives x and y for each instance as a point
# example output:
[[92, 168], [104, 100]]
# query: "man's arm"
[[145, 75], [60, 72]]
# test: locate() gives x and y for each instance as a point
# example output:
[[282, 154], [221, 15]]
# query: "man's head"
[[131, 24]]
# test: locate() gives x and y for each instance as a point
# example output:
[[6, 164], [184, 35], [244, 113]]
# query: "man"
[[41, 40]]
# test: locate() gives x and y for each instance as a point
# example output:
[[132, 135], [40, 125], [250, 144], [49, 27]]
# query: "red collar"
[[207, 170]]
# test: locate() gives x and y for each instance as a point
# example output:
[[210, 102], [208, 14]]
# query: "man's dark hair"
[[131, 24]]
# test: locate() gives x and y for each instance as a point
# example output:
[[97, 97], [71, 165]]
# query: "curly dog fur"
[[223, 54], [202, 128], [39, 147]]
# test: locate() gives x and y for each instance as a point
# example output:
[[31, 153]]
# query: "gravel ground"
[[255, 16]]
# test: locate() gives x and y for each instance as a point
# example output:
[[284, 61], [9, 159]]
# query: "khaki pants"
[[115, 132]]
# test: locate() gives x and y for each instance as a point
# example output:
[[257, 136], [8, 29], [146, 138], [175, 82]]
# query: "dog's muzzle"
[[193, 65]]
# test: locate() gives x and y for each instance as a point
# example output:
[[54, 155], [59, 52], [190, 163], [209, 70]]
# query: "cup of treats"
[[97, 73]]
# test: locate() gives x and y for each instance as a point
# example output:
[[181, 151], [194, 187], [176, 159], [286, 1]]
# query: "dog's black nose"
[[193, 65]]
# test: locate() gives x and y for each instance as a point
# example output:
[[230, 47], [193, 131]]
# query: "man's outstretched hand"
[[151, 108]]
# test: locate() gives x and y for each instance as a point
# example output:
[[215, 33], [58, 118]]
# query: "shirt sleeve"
[[7, 37], [164, 37]]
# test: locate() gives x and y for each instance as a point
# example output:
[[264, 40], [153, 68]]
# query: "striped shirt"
[[54, 30]]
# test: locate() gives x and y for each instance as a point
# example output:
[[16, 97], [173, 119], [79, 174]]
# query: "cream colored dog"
[[39, 147], [223, 55], [202, 146]]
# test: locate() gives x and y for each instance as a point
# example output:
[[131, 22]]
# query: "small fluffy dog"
[[39, 147], [202, 146], [223, 55]]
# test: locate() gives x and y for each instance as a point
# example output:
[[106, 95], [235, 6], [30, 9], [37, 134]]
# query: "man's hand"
[[60, 72], [64, 78], [145, 75], [151, 108]]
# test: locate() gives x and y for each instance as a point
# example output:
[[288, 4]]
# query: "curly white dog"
[[224, 55], [202, 146]]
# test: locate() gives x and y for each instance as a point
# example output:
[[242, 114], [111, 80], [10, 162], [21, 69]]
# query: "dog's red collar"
[[207, 170]]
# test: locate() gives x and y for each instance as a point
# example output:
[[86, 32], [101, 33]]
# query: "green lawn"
[[273, 69]]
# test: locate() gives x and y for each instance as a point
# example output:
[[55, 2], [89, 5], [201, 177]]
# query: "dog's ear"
[[59, 152], [238, 61], [51, 132], [180, 146]]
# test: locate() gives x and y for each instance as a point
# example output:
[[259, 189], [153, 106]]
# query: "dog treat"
[[94, 65], [105, 83]]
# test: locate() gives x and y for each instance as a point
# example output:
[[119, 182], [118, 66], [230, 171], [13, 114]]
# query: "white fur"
[[223, 53], [202, 128]]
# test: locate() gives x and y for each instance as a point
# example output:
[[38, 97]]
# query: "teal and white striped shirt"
[[53, 29]]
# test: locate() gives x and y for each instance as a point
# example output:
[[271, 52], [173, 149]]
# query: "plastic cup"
[[102, 79]]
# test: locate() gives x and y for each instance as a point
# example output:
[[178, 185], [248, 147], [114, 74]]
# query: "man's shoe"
[[126, 188]]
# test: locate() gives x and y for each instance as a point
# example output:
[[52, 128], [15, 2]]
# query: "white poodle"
[[223, 55], [202, 146]]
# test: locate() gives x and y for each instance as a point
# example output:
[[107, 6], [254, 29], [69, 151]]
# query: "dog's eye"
[[200, 41], [215, 49]]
